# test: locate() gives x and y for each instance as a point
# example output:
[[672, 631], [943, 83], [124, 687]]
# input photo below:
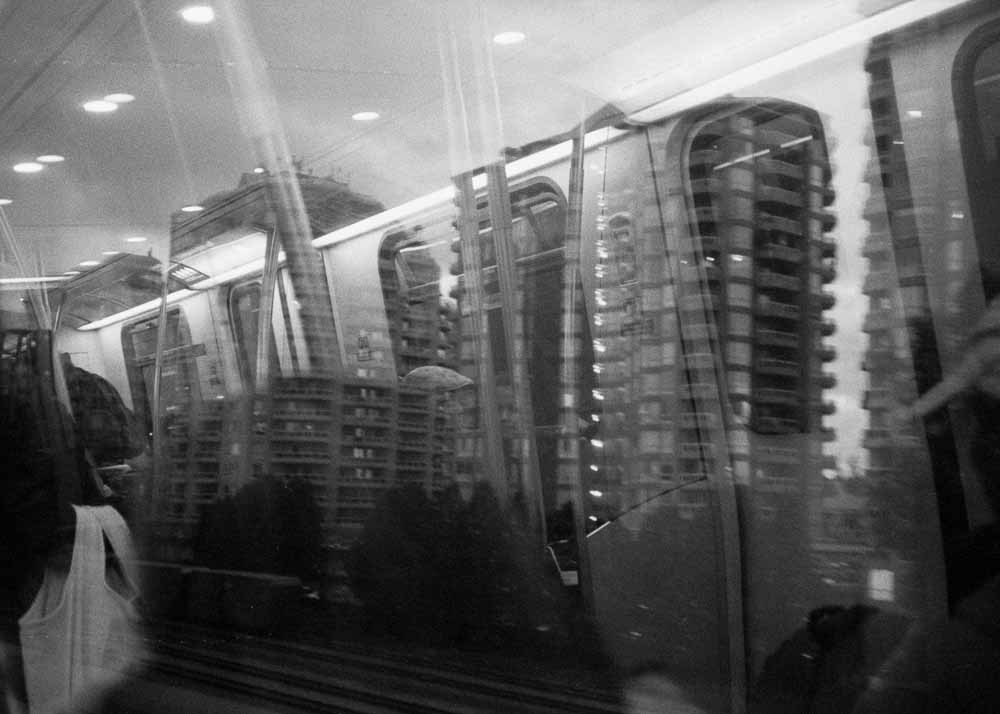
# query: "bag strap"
[[117, 531]]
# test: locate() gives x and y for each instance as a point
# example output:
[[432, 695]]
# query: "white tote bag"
[[80, 636]]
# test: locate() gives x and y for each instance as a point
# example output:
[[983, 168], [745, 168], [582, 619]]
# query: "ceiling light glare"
[[198, 14], [136, 239], [5, 202], [89, 263], [365, 116], [510, 37], [50, 159], [119, 98], [99, 106], [28, 167], [193, 208]]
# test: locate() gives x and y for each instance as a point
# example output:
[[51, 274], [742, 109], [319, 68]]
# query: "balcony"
[[777, 425], [827, 300], [698, 302], [768, 165], [770, 308], [877, 321], [776, 396], [876, 439], [766, 221], [777, 338], [698, 390], [877, 398], [774, 195], [876, 244], [696, 450], [779, 367], [697, 420], [775, 251], [877, 282], [778, 455], [699, 360], [770, 279]]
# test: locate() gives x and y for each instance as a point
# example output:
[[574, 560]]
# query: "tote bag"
[[80, 636]]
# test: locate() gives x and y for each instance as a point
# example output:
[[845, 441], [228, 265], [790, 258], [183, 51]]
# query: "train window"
[[639, 359], [180, 385], [244, 310]]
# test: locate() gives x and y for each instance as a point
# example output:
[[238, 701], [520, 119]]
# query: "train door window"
[[179, 377], [244, 310]]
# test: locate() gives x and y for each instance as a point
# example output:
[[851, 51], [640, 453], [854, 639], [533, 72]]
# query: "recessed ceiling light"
[[5, 202], [99, 106], [511, 37], [193, 208], [198, 14], [365, 116], [119, 98], [89, 263], [28, 167], [136, 239], [50, 159]]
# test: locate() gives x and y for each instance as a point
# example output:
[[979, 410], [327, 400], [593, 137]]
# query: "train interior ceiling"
[[614, 357]]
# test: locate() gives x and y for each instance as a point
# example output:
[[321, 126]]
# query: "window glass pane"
[[628, 355]]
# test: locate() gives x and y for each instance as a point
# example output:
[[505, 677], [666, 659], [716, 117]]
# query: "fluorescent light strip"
[[443, 196], [31, 281], [841, 39]]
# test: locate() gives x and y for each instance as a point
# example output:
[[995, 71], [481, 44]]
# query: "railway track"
[[354, 678]]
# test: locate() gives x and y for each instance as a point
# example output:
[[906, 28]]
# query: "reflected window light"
[[89, 263], [596, 494], [957, 215], [365, 116], [119, 98], [72, 272], [193, 208], [508, 37], [50, 158], [136, 239], [593, 518], [597, 443], [881, 585], [597, 369], [198, 14], [595, 418], [99, 106], [914, 113], [259, 170], [898, 142], [737, 258], [593, 467], [5, 201], [599, 346], [598, 395], [28, 167], [110, 252]]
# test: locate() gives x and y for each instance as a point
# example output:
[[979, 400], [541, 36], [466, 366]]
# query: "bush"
[[449, 571], [268, 526]]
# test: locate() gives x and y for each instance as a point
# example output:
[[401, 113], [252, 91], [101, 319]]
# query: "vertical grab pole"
[[472, 266], [569, 365], [501, 223]]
